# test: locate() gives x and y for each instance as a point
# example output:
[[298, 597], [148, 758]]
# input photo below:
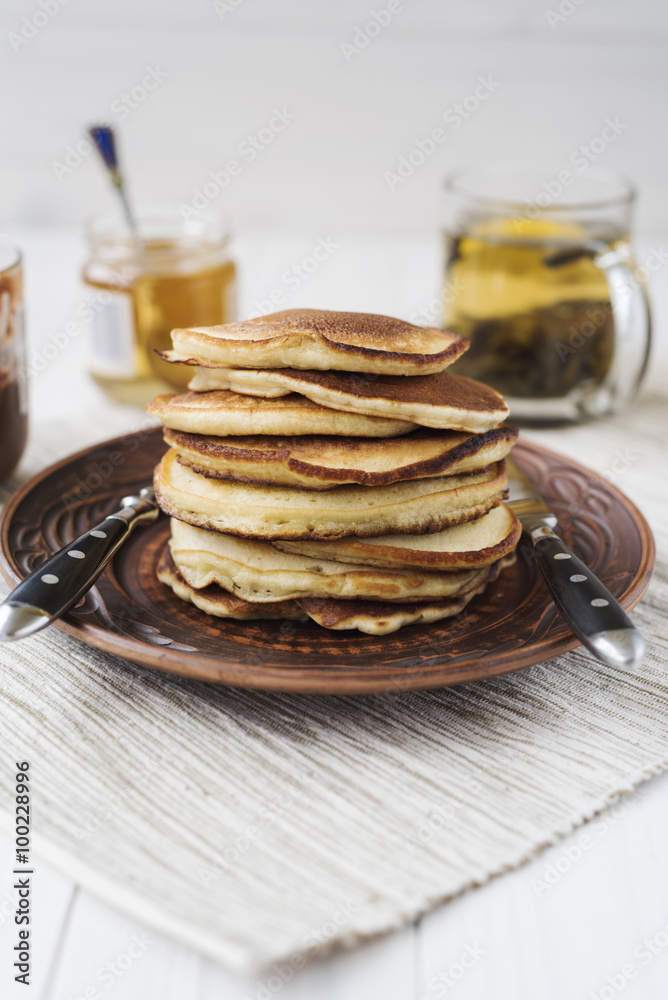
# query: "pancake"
[[258, 573], [444, 401], [371, 617], [383, 617], [220, 603], [229, 413], [285, 512], [318, 462], [322, 340], [465, 546]]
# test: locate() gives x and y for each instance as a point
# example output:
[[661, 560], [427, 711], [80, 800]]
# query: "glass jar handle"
[[632, 320]]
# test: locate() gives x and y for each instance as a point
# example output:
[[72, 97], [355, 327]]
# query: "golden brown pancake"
[[224, 413], [257, 572], [476, 543], [221, 603], [323, 340], [413, 507], [383, 617], [444, 401], [371, 617], [320, 462]]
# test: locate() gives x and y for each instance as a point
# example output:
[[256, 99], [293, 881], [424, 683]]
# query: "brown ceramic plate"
[[513, 624]]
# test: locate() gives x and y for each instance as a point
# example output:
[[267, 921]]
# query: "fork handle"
[[57, 584], [595, 616]]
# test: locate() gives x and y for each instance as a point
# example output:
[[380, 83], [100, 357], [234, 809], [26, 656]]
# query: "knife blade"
[[597, 619], [58, 584]]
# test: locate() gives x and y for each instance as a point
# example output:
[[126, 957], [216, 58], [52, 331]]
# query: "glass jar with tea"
[[540, 276], [176, 273]]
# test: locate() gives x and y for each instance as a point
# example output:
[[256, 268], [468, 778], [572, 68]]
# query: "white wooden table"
[[564, 925]]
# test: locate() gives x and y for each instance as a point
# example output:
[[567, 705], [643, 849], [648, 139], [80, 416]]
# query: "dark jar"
[[13, 390]]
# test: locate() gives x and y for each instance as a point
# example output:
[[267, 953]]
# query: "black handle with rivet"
[[58, 584], [589, 607]]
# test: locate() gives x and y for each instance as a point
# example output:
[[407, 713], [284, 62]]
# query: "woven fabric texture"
[[256, 826]]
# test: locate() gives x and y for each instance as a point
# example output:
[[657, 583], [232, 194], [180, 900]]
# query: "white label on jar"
[[111, 325]]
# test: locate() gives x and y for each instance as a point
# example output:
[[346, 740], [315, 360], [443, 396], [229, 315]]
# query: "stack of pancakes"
[[325, 465]]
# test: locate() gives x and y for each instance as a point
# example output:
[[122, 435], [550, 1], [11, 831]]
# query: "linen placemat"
[[258, 826]]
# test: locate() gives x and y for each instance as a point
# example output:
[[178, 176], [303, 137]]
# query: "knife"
[[597, 619], [59, 583]]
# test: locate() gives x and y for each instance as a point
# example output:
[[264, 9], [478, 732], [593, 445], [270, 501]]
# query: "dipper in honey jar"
[[147, 273]]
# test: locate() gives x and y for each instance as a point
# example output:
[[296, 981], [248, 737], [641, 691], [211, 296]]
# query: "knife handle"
[[589, 607], [59, 583]]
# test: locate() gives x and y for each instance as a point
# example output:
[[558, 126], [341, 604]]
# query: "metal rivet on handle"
[[599, 602], [49, 578], [76, 554], [96, 533], [563, 555], [578, 578]]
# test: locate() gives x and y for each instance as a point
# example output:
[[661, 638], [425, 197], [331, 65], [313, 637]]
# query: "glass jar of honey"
[[176, 273]]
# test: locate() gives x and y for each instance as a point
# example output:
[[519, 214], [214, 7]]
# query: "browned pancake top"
[[331, 612], [440, 389], [365, 331], [280, 447], [225, 400]]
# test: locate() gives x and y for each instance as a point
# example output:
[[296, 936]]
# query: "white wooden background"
[[324, 175], [225, 75], [558, 944]]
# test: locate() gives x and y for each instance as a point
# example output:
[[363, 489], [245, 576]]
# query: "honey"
[[177, 274]]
